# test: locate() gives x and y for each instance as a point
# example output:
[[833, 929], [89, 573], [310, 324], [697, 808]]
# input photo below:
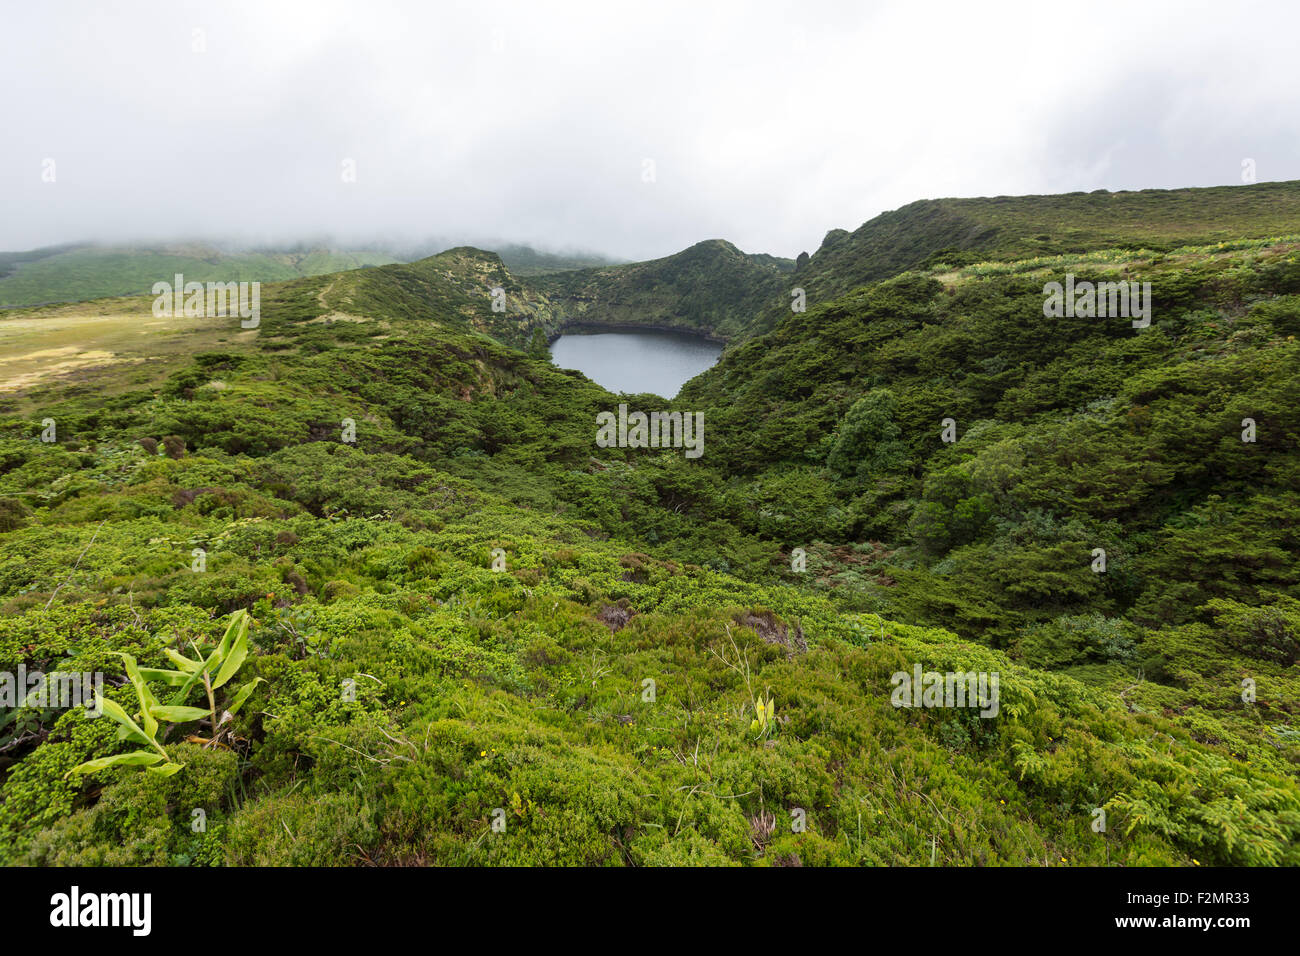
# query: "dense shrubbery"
[[410, 695]]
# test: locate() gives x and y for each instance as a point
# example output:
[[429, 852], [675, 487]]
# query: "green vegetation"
[[214, 671], [68, 273], [475, 637], [711, 289], [82, 271], [1008, 228]]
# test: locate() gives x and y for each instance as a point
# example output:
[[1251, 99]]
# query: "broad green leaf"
[[179, 715], [140, 758], [180, 695], [181, 661], [113, 709], [167, 769], [143, 695], [242, 694], [237, 620], [135, 736], [238, 625], [236, 633], [171, 678], [234, 658]]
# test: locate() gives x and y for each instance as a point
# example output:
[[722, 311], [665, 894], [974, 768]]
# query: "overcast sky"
[[767, 123]]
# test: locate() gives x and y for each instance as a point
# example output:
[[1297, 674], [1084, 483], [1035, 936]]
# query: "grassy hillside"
[[473, 615], [1004, 228], [10, 261], [712, 289], [63, 274]]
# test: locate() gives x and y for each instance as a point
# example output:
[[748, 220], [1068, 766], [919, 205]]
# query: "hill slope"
[[710, 289], [464, 612], [81, 272], [1005, 228]]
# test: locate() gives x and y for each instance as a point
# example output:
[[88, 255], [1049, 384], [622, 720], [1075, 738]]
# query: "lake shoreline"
[[579, 328]]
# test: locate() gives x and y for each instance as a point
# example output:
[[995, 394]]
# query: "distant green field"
[[79, 272], [93, 272]]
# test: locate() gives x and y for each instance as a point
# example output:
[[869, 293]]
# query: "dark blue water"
[[636, 360]]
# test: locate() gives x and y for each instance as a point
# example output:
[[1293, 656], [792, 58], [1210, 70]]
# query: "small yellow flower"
[[482, 753]]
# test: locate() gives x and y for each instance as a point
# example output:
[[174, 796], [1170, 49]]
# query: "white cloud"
[[769, 123]]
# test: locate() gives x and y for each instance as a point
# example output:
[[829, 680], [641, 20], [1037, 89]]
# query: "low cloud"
[[763, 123]]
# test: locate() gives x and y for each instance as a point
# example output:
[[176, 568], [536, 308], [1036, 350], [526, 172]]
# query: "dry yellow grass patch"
[[48, 343]]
